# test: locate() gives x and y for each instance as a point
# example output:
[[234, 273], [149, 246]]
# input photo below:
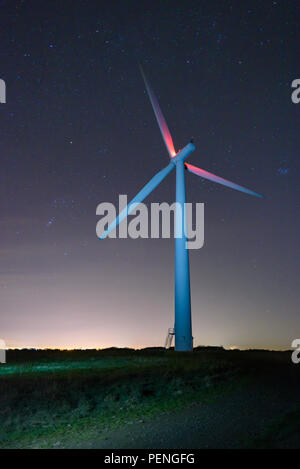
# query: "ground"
[[210, 398]]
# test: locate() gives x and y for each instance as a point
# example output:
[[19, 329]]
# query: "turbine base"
[[183, 344]]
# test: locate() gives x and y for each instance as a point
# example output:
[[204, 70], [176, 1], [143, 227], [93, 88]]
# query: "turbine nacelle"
[[184, 153]]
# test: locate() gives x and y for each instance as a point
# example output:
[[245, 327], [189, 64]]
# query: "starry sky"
[[78, 129]]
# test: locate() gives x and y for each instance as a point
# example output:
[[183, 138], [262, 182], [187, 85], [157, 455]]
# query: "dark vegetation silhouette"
[[49, 395]]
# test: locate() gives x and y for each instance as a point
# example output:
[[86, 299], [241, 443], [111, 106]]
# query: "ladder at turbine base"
[[169, 338]]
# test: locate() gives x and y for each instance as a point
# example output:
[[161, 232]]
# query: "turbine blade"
[[160, 118], [149, 187], [219, 180]]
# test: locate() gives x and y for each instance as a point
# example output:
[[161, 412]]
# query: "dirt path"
[[231, 421]]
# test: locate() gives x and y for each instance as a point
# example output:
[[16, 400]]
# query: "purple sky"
[[78, 130]]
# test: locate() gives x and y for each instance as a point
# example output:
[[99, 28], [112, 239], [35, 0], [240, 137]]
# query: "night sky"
[[78, 130]]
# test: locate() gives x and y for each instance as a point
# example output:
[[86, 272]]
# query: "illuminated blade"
[[152, 184], [219, 180], [160, 118]]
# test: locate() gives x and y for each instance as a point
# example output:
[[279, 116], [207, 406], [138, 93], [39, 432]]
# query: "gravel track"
[[230, 421]]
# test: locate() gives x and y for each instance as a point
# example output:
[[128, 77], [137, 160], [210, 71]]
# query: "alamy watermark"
[[296, 352], [295, 96], [2, 351], [160, 224], [2, 91]]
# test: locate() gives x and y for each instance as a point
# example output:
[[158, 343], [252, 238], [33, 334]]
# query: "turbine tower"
[[183, 317]]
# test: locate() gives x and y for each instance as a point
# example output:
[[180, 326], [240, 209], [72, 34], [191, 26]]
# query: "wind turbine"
[[183, 319]]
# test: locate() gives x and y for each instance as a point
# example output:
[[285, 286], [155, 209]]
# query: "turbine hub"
[[184, 153]]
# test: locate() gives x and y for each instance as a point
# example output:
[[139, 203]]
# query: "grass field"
[[52, 398]]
